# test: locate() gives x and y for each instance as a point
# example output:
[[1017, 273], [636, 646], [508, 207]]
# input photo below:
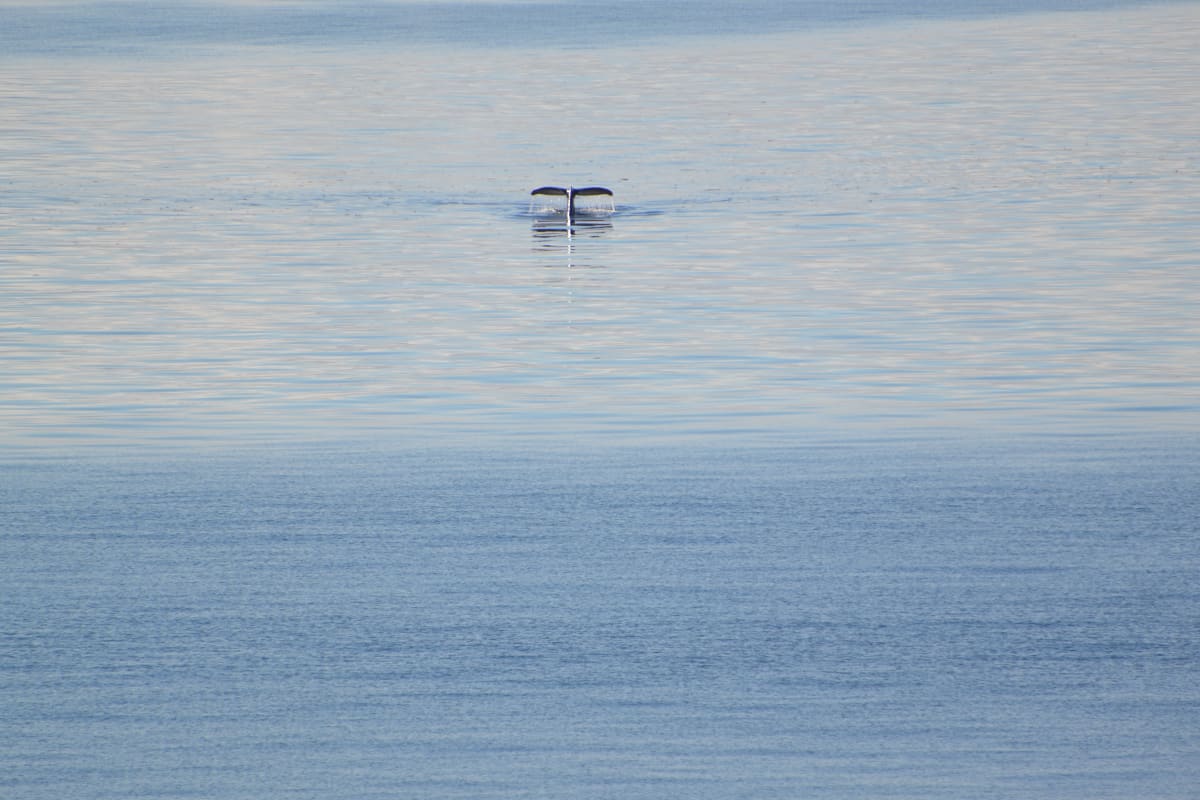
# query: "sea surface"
[[855, 454]]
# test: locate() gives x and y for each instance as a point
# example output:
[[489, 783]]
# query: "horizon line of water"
[[149, 27]]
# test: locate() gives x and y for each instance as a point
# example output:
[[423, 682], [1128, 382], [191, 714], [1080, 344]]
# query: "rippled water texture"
[[906, 621], [853, 456], [929, 224]]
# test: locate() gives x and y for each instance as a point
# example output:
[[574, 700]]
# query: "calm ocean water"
[[855, 455]]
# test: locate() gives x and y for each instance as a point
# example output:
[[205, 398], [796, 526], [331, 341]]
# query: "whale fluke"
[[571, 193], [591, 191]]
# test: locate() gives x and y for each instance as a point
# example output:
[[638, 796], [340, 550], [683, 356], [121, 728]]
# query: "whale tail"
[[570, 193]]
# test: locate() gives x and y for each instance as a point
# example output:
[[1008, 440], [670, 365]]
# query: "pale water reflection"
[[935, 225]]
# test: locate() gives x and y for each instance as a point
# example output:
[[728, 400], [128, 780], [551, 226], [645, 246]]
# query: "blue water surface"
[[149, 27], [826, 620]]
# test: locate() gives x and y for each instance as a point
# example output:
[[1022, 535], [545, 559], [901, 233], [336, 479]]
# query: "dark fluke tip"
[[591, 190]]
